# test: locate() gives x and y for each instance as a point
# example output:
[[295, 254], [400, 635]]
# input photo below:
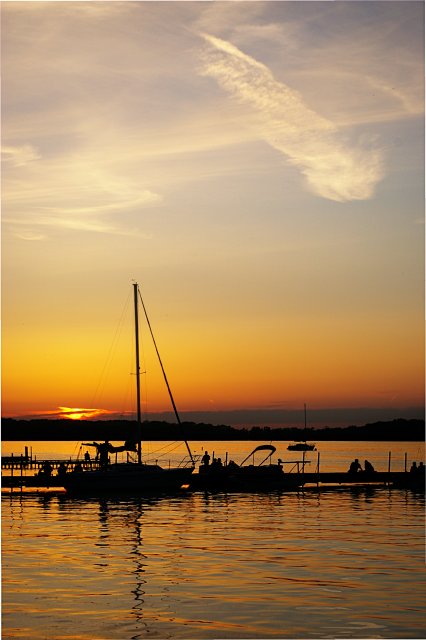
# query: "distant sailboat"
[[302, 445], [134, 477]]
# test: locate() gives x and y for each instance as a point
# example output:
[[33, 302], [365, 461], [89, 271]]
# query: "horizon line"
[[238, 418]]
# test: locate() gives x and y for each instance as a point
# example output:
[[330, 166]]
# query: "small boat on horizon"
[[131, 476], [302, 445]]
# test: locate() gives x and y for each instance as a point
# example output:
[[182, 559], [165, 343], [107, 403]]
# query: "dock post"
[[21, 471], [405, 462], [11, 475], [318, 468], [389, 466]]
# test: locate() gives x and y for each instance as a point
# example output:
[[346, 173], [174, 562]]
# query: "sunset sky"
[[256, 166]]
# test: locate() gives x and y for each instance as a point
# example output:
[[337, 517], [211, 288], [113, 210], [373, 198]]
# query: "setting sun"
[[79, 413]]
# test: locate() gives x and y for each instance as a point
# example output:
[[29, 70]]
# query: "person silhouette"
[[368, 467], [354, 467], [46, 470], [62, 470]]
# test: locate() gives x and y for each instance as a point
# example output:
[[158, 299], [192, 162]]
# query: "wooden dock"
[[394, 479], [16, 463], [26, 471]]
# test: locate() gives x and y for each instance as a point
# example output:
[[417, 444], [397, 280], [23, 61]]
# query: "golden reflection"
[[133, 519], [139, 569]]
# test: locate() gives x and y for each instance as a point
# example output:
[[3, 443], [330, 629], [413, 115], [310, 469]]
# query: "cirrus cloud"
[[20, 155], [334, 168]]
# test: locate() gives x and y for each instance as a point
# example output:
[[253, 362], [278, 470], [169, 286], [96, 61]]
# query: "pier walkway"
[[24, 470], [16, 463], [400, 479]]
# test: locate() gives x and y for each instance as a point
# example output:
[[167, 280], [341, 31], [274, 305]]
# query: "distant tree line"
[[71, 430]]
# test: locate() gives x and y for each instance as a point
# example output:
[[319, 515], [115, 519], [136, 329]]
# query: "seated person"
[[368, 467], [355, 467]]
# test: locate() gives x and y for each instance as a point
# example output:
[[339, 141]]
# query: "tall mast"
[[138, 373]]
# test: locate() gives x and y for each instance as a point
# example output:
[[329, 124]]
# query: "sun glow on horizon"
[[70, 413], [78, 413]]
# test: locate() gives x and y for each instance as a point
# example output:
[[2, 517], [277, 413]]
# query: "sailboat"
[[302, 445], [131, 477]]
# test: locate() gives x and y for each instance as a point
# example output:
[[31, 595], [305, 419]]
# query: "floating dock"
[[393, 479], [26, 471]]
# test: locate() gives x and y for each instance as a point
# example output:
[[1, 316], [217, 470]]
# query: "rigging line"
[[126, 399], [104, 374], [173, 446], [78, 446], [107, 364], [164, 373]]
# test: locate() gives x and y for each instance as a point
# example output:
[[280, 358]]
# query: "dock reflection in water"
[[342, 563]]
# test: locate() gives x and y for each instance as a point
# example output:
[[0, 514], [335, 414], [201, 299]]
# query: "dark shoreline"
[[69, 430]]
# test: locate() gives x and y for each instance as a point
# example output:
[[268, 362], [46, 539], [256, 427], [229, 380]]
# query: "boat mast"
[[138, 373]]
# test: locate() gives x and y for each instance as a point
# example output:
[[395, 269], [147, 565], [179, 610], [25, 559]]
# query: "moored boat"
[[131, 476], [263, 476], [301, 446]]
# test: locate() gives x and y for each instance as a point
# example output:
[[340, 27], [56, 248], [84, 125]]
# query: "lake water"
[[334, 563]]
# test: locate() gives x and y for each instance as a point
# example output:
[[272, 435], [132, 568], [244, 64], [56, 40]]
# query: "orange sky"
[[258, 173]]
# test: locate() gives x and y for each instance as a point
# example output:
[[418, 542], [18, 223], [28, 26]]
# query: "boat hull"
[[250, 478], [301, 447], [135, 479]]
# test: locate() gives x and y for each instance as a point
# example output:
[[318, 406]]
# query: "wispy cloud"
[[28, 235], [71, 223], [19, 156], [76, 195], [333, 167]]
